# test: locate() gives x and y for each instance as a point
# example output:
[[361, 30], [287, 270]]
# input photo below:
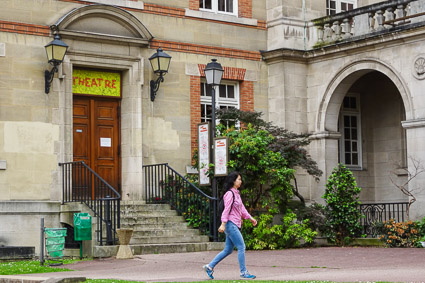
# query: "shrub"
[[270, 237], [342, 213], [399, 234]]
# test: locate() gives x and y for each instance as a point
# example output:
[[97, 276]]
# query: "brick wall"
[[245, 9], [195, 110], [246, 97], [194, 4]]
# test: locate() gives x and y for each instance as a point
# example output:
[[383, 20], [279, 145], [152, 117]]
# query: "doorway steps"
[[158, 229]]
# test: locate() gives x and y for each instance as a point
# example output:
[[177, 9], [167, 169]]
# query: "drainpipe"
[[305, 27]]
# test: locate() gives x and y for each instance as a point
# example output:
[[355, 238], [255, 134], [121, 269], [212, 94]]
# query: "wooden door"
[[96, 136]]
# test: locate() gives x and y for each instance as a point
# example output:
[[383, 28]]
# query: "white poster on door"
[[105, 142]]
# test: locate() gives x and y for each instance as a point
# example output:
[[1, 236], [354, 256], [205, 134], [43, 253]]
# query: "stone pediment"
[[103, 23]]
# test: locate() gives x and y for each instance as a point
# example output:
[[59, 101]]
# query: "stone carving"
[[419, 67]]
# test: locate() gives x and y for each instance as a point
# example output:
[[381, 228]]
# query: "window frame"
[[351, 112], [220, 101], [214, 8], [338, 6]]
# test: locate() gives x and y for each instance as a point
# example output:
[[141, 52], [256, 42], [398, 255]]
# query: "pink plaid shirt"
[[238, 211]]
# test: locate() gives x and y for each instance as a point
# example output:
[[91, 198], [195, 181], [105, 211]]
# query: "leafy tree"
[[342, 206], [289, 145]]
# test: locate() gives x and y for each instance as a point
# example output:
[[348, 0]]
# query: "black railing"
[[380, 212], [164, 185], [81, 184]]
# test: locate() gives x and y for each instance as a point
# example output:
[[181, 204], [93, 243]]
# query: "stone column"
[[415, 136], [324, 149]]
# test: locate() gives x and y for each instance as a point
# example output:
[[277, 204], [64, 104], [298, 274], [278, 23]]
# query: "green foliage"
[[268, 236], [266, 177], [342, 206], [399, 234]]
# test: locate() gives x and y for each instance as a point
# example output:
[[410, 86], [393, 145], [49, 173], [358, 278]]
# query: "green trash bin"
[[82, 226], [55, 241]]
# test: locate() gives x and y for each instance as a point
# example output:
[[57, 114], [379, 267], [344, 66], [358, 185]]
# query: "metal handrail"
[[165, 185], [81, 184], [380, 212]]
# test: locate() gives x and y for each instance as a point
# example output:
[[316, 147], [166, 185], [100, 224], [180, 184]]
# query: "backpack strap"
[[232, 201]]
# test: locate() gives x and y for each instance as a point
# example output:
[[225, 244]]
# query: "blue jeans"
[[233, 239]]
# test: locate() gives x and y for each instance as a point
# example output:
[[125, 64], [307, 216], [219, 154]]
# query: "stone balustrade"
[[368, 20]]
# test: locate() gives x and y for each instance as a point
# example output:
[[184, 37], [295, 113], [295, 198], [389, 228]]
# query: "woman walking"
[[231, 222]]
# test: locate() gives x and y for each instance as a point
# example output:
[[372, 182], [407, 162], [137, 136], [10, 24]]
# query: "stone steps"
[[158, 229], [165, 233], [169, 240]]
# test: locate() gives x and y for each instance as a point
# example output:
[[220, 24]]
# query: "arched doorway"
[[379, 99], [373, 141]]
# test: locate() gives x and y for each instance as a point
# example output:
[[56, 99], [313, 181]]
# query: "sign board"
[[204, 153], [93, 82], [221, 156]]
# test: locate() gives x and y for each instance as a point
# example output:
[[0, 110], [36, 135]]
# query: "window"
[[226, 96], [337, 6], [350, 127], [219, 6]]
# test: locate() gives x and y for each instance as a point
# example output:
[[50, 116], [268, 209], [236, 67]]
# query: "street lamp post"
[[213, 74]]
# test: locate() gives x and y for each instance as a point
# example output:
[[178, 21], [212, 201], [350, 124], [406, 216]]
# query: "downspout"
[[305, 27]]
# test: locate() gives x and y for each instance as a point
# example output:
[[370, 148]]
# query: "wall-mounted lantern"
[[160, 62], [55, 51]]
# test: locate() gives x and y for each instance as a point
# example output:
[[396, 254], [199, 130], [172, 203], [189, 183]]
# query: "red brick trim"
[[245, 8], [24, 28], [230, 73], [205, 50], [176, 12], [195, 110], [246, 97], [194, 4]]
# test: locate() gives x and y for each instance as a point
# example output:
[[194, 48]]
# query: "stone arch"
[[327, 117], [103, 23]]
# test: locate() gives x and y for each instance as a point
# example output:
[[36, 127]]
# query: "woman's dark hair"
[[230, 180]]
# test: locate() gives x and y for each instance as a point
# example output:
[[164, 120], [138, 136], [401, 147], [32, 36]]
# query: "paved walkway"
[[351, 264]]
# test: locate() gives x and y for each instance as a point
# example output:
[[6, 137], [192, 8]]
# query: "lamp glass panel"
[[164, 64], [59, 52], [155, 64], [209, 76], [217, 76], [49, 52]]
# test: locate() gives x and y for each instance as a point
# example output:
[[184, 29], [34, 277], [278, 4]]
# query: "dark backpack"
[[221, 205]]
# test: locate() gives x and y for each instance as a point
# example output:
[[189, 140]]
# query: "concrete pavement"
[[348, 264]]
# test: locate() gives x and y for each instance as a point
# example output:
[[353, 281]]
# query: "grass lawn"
[[208, 281], [30, 266]]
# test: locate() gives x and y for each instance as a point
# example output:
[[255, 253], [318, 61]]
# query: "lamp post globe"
[[213, 73], [160, 62], [56, 50]]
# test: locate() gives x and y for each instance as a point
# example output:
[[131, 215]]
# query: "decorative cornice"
[[392, 37], [325, 135]]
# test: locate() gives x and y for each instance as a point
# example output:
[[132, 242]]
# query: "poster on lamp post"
[[204, 153], [221, 156]]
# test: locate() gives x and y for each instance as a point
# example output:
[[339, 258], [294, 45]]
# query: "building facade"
[[352, 79]]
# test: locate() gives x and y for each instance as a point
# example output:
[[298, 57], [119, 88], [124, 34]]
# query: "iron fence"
[[81, 184], [380, 212], [164, 185]]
